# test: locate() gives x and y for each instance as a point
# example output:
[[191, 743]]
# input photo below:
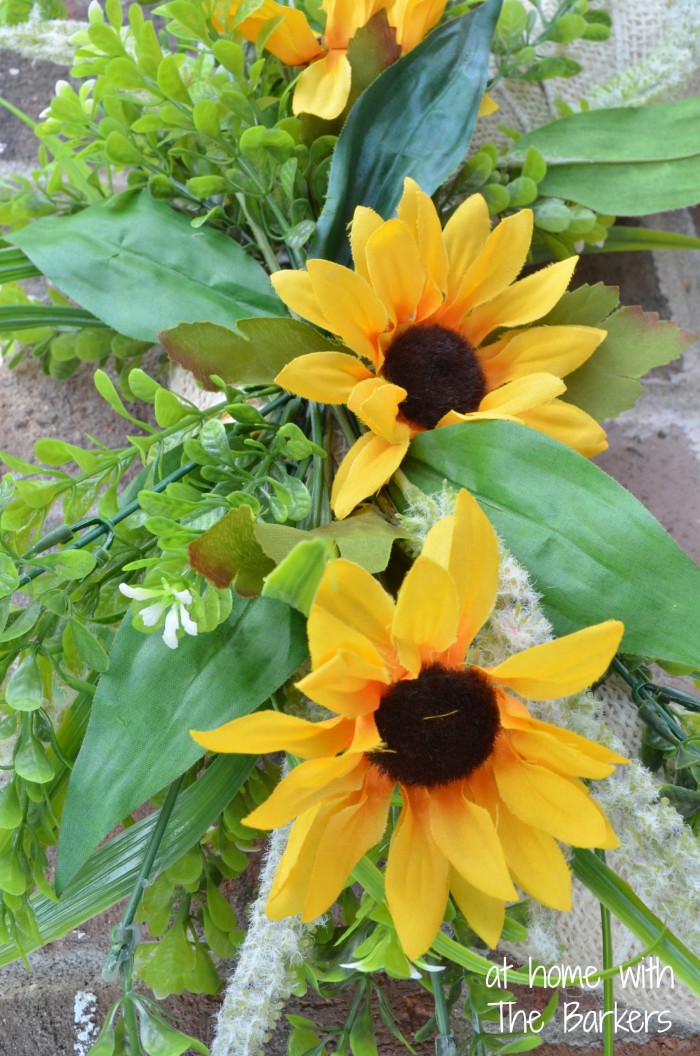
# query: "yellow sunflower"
[[323, 87], [419, 312], [486, 789]]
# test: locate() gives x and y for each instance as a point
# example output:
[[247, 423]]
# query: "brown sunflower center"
[[436, 728], [438, 369]]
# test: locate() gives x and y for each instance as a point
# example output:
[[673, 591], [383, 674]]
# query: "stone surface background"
[[654, 451]]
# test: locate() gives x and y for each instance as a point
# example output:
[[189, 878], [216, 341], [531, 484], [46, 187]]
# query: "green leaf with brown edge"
[[365, 538], [591, 549], [253, 354], [229, 554], [637, 341], [138, 740]]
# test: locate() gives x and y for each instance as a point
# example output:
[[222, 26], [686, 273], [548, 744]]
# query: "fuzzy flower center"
[[436, 728], [439, 370]]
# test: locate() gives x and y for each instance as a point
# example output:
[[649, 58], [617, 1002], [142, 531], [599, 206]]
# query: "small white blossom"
[[164, 600]]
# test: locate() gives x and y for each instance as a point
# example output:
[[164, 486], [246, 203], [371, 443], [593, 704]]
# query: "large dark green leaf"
[[110, 873], [625, 161], [141, 267], [592, 550], [415, 120], [138, 737]]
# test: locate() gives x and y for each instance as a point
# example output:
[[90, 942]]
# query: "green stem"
[[444, 1042], [259, 235], [608, 985]]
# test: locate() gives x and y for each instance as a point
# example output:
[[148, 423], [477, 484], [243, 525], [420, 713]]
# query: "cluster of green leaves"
[[61, 350], [524, 28], [561, 229]]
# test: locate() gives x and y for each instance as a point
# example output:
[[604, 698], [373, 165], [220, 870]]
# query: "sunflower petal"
[[293, 40], [327, 377], [376, 403], [364, 223], [465, 545], [499, 263], [273, 731], [350, 832], [310, 783], [416, 877], [517, 396], [291, 881], [465, 235], [523, 302], [345, 684], [559, 806], [547, 750], [295, 289], [568, 424], [355, 598], [484, 915], [465, 834], [417, 211], [427, 614], [368, 464], [543, 349], [396, 270], [563, 666], [352, 308], [535, 860], [323, 87]]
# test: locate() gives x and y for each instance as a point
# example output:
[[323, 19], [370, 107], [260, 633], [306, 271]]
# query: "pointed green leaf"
[[416, 120], [621, 900], [138, 737], [592, 550], [253, 354], [155, 270], [623, 161]]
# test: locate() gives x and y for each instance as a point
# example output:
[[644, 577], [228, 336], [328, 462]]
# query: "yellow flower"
[[323, 87], [418, 311], [486, 789]]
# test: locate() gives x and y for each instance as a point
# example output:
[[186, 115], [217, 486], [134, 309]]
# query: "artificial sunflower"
[[419, 313], [324, 86], [486, 789]]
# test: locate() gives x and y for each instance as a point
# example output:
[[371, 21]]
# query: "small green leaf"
[[89, 648], [362, 1039], [9, 578], [365, 538], [24, 691], [296, 579], [161, 1039], [67, 564], [31, 762], [10, 809], [22, 623], [229, 553], [170, 82], [252, 354]]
